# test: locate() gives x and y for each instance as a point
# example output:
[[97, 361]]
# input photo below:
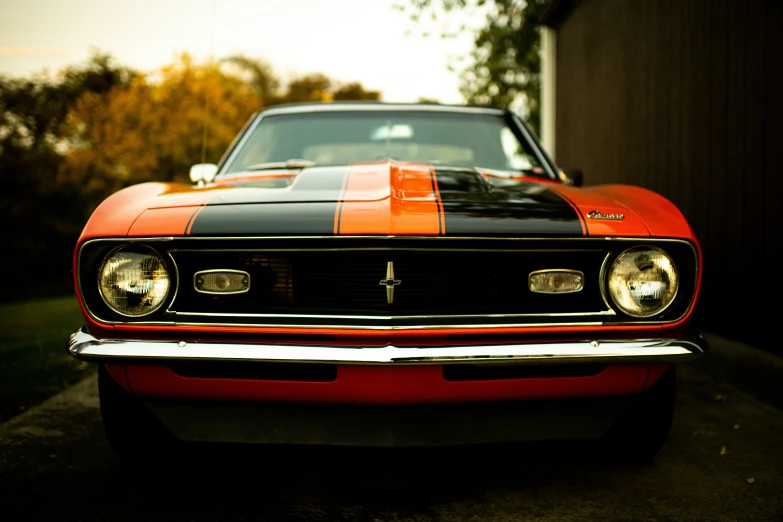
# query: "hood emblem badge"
[[595, 214], [390, 282]]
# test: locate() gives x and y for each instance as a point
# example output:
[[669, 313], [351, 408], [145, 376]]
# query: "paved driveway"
[[723, 461]]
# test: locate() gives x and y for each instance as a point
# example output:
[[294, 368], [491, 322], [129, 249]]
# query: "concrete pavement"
[[749, 369], [723, 462]]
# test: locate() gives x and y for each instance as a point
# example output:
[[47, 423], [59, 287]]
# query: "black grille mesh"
[[431, 283]]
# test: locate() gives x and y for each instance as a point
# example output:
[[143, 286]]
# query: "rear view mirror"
[[203, 173]]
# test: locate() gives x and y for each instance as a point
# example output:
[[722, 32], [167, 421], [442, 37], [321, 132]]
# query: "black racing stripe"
[[437, 200], [266, 206], [515, 209], [264, 219], [579, 213]]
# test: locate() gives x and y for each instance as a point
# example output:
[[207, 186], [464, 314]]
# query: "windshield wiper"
[[288, 164]]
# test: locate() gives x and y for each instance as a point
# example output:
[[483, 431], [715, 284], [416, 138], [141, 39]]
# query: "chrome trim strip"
[[389, 237], [327, 326], [373, 327], [225, 163], [221, 271], [603, 275], [337, 326], [540, 153], [176, 288], [385, 249], [559, 271], [393, 317], [370, 107], [86, 347]]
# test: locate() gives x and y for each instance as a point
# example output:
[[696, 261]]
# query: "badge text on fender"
[[595, 214]]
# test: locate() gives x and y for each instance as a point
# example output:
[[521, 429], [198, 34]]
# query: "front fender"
[[661, 217]]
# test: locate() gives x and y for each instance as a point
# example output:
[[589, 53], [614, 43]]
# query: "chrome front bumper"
[[86, 347]]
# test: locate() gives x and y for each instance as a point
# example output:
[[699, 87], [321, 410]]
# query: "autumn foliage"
[[158, 126], [153, 130]]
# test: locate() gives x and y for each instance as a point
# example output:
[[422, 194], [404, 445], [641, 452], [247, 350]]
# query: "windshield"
[[341, 138]]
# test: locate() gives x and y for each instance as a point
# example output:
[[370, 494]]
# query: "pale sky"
[[348, 40]]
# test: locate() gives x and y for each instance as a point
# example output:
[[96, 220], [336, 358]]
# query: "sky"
[[348, 40]]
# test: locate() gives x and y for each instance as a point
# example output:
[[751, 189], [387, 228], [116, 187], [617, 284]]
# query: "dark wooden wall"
[[684, 97]]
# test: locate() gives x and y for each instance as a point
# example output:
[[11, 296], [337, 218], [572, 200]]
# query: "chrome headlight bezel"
[[142, 249], [619, 294]]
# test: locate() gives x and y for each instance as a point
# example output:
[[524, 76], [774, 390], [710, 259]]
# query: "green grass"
[[34, 363]]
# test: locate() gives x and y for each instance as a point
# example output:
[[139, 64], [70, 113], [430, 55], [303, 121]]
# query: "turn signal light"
[[221, 282], [556, 281]]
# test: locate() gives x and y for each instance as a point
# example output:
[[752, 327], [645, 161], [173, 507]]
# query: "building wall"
[[684, 97]]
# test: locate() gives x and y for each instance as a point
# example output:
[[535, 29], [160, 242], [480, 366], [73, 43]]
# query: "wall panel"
[[684, 97]]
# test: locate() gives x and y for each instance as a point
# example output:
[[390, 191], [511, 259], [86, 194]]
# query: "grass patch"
[[34, 363]]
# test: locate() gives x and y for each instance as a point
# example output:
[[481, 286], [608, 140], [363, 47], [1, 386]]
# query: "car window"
[[515, 156], [345, 137]]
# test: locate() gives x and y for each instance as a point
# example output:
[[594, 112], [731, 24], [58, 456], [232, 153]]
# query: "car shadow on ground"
[[326, 483], [374, 472], [314, 483]]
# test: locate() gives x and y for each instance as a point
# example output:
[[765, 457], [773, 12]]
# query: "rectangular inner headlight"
[[221, 282], [556, 281]]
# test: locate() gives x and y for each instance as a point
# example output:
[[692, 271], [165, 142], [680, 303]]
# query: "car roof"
[[348, 106]]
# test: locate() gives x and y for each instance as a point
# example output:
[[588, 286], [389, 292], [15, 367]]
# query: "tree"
[[504, 65], [355, 91], [155, 128], [314, 87], [260, 77], [33, 110], [44, 217]]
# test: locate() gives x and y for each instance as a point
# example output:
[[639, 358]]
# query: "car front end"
[[382, 280]]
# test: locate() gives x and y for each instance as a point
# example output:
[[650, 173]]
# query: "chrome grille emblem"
[[390, 282]]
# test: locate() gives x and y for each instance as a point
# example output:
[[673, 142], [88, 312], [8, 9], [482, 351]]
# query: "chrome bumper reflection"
[[86, 347]]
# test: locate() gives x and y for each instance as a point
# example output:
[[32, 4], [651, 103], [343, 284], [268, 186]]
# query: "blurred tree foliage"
[[505, 64], [259, 77], [41, 216], [355, 91], [69, 140], [314, 87], [153, 128]]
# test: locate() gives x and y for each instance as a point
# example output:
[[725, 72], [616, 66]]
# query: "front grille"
[[334, 282], [431, 283]]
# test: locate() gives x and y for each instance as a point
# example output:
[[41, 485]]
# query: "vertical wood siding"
[[684, 97]]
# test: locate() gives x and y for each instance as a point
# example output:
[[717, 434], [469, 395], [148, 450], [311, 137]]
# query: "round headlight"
[[133, 281], [643, 281]]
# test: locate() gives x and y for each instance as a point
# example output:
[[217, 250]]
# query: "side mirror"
[[203, 173], [573, 177]]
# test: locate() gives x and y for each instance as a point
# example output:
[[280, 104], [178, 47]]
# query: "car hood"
[[383, 198]]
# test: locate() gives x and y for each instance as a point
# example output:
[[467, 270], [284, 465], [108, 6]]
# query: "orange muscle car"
[[386, 275]]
